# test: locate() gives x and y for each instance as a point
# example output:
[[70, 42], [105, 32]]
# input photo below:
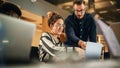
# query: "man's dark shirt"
[[79, 29]]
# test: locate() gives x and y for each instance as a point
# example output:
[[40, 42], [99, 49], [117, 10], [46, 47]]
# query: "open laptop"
[[93, 50], [16, 39], [112, 38]]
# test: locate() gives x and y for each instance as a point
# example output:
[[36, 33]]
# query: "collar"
[[73, 14]]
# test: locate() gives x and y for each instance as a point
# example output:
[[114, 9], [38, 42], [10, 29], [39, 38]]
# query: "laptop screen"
[[16, 38]]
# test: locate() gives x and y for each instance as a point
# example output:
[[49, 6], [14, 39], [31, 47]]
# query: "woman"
[[50, 43]]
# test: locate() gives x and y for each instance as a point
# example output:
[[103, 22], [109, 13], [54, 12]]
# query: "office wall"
[[40, 7]]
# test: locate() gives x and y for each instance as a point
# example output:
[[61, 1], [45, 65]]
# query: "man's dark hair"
[[6, 7], [78, 2]]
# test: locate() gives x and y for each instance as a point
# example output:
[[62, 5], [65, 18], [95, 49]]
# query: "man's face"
[[79, 10]]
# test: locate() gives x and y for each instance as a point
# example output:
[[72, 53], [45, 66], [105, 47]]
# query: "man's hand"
[[82, 44]]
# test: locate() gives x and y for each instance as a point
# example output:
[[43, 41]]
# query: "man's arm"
[[70, 33]]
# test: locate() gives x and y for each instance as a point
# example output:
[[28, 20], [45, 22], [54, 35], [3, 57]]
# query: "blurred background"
[[35, 11]]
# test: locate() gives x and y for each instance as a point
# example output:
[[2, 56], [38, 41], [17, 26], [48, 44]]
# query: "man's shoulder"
[[88, 15]]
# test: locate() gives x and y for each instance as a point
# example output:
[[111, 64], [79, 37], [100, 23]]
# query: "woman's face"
[[58, 27]]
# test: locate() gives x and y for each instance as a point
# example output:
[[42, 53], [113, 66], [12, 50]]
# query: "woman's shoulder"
[[45, 34]]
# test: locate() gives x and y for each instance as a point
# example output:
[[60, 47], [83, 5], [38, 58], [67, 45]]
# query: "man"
[[80, 26]]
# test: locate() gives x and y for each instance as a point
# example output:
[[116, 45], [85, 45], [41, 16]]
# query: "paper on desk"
[[93, 50]]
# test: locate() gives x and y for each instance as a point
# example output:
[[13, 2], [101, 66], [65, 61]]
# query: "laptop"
[[93, 50], [16, 38]]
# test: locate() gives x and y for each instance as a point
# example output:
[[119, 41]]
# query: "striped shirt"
[[49, 44]]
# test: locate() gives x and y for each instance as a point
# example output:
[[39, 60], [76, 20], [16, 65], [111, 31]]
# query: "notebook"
[[16, 38]]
